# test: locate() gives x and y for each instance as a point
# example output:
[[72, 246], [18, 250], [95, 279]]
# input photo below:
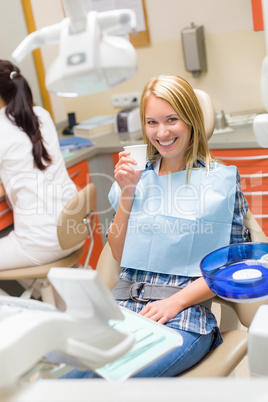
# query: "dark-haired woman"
[[33, 174]]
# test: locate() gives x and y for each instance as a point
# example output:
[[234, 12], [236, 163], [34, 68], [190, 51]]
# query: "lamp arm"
[[44, 36], [77, 13], [117, 19]]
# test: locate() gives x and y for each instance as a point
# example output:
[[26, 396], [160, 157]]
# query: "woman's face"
[[164, 128]]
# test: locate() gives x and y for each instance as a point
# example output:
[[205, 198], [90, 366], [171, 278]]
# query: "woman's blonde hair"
[[181, 96]]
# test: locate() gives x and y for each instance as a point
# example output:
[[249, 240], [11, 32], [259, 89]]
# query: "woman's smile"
[[167, 143]]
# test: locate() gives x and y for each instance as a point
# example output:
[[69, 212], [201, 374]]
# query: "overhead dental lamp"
[[90, 59]]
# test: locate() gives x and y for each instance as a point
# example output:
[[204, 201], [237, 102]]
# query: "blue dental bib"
[[174, 224]]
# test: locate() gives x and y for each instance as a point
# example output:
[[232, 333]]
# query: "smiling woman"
[[168, 217]]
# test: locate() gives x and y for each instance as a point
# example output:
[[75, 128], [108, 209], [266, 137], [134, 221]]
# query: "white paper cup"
[[137, 152]]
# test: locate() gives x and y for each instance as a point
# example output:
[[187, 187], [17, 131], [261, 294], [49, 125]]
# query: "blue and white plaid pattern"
[[197, 318]]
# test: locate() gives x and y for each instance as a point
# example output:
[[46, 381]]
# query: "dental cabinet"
[[253, 167], [80, 175], [6, 215], [240, 148]]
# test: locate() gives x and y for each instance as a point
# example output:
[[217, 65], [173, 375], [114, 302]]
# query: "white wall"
[[49, 12], [234, 53], [12, 30]]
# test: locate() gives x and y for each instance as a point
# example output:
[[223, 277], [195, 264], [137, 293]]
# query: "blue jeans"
[[194, 348]]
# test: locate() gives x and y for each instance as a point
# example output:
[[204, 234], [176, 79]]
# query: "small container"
[[137, 152], [220, 120], [237, 272]]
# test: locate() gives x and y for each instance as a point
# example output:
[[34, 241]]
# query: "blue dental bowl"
[[238, 272]]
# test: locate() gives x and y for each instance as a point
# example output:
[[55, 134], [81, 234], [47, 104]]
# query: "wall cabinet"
[[253, 168], [6, 215], [80, 175], [115, 158]]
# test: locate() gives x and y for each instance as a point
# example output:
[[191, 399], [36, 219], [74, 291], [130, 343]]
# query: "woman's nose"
[[163, 130]]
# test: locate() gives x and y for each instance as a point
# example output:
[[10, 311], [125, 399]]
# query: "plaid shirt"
[[197, 318]]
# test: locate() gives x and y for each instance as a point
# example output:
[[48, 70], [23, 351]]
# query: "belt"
[[144, 292]]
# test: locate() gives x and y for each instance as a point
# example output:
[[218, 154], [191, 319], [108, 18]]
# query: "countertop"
[[241, 137]]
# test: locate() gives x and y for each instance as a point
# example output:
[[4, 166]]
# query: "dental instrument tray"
[[75, 143], [92, 332], [238, 272]]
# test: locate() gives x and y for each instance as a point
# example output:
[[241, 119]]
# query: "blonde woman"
[[167, 218]]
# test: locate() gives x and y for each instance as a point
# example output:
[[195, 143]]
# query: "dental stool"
[[80, 211]]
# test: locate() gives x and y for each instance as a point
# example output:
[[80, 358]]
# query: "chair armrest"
[[108, 268], [221, 361], [256, 232]]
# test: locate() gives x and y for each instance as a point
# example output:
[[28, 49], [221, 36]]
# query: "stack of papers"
[[67, 145], [95, 126], [152, 341]]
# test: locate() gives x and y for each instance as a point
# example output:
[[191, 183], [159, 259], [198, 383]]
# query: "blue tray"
[[238, 272], [75, 143]]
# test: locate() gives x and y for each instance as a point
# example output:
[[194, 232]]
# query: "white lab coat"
[[37, 197]]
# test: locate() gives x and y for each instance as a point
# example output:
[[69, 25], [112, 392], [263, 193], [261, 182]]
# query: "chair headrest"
[[208, 111]]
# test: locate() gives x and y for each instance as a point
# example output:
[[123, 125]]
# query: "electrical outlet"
[[125, 100]]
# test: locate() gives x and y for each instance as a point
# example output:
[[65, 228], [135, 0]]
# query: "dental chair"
[[80, 212], [222, 361]]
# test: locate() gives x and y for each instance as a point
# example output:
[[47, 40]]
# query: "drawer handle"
[[254, 175], [74, 174], [241, 158], [5, 211], [255, 193], [260, 216]]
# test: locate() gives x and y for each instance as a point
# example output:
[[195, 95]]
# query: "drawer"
[[254, 182], [258, 202], [6, 215], [263, 222], [115, 158], [248, 161], [79, 174]]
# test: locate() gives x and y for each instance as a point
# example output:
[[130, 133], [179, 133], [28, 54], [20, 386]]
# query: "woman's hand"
[[126, 177], [162, 310]]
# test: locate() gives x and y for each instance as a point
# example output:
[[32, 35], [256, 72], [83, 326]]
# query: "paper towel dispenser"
[[194, 51]]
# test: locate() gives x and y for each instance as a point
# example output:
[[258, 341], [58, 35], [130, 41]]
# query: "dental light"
[[260, 124], [90, 60]]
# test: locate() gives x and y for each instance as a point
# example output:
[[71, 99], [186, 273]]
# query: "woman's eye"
[[151, 122], [173, 119]]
